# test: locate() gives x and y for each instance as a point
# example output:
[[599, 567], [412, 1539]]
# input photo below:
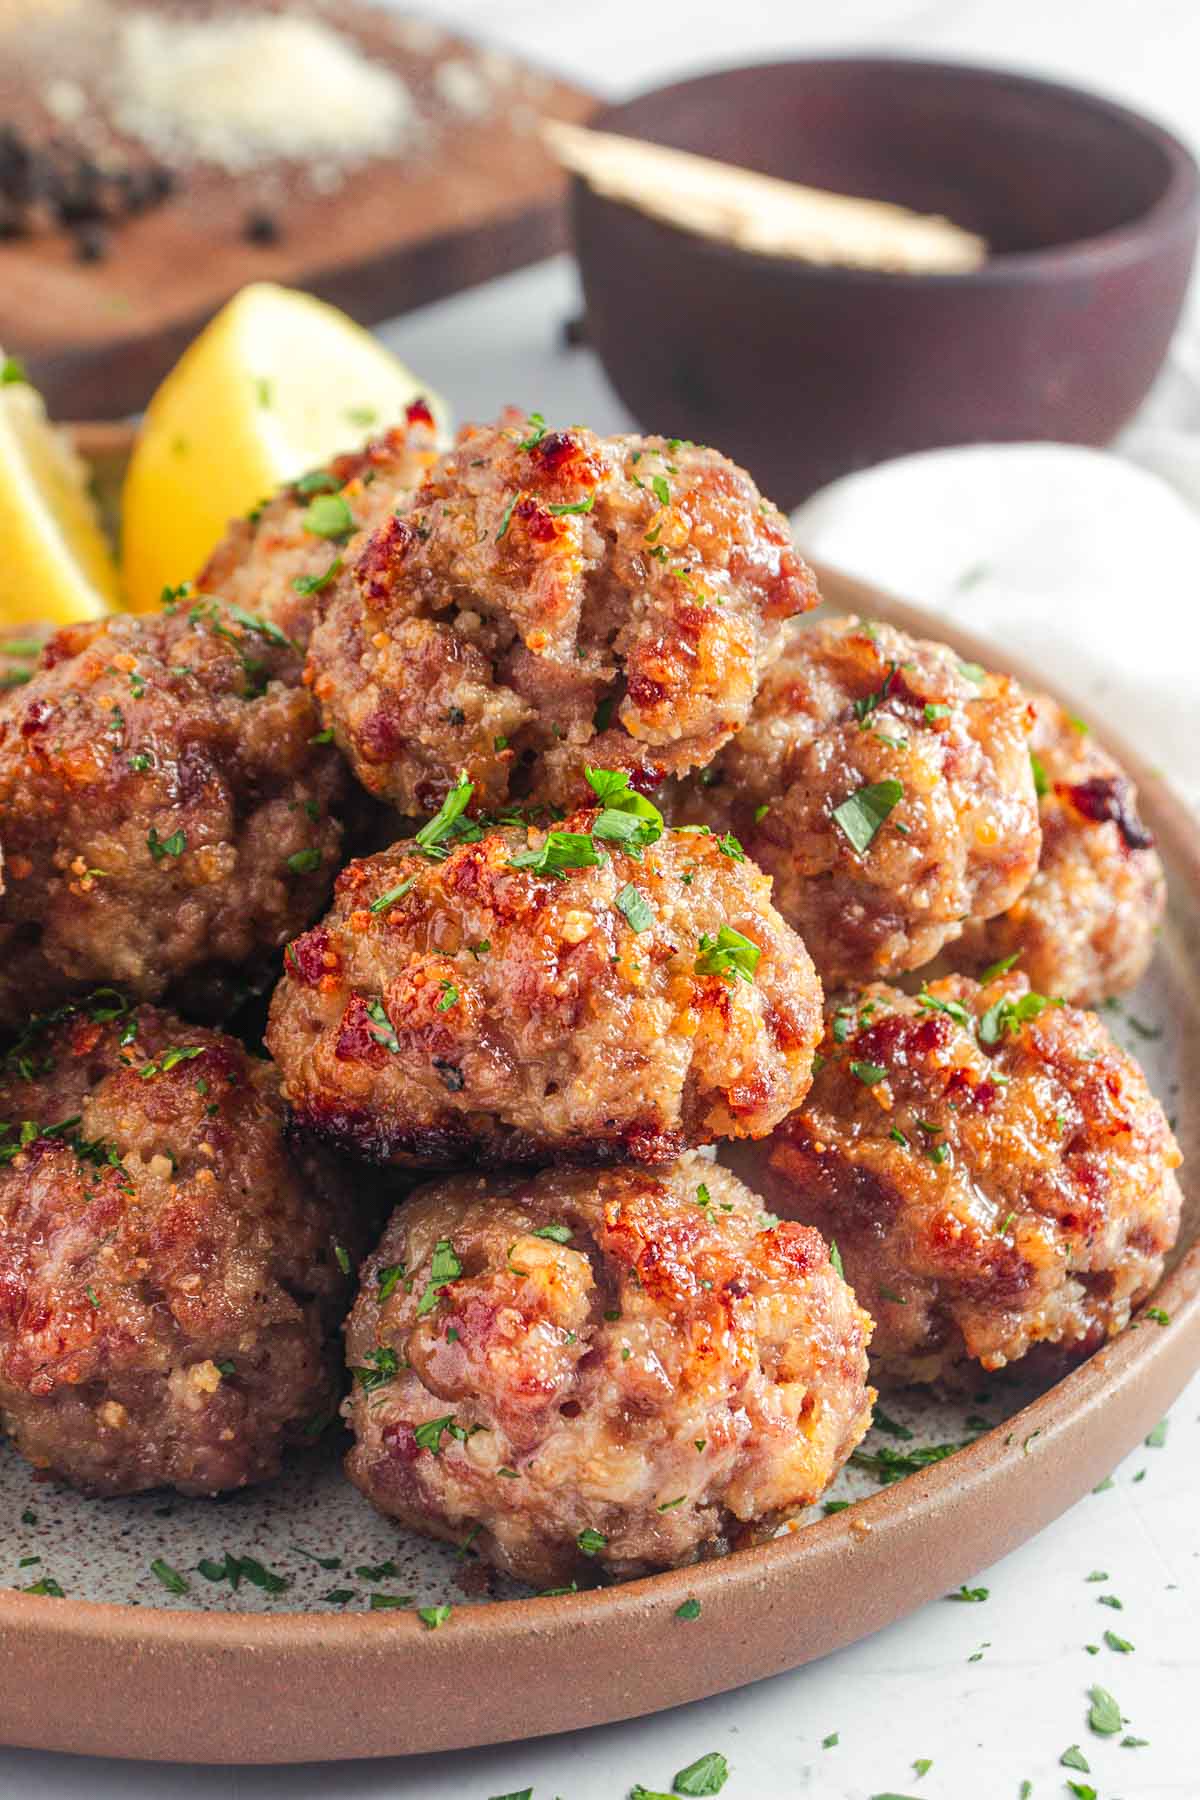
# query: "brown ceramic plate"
[[123, 1667]]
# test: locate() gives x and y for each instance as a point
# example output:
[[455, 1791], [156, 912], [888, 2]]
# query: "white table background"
[[909, 1692]]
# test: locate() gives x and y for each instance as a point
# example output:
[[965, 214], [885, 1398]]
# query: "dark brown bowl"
[[806, 373]]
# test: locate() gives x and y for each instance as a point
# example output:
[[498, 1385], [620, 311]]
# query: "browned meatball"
[[995, 1171], [169, 1272], [887, 788], [551, 599], [547, 995], [1085, 926], [625, 1370], [282, 561], [165, 807]]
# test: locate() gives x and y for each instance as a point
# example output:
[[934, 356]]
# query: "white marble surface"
[[910, 1692]]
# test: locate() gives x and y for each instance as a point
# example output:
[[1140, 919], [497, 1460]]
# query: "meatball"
[[282, 560], [165, 806], [170, 1272], [1085, 926], [625, 1370], [537, 995], [995, 1171], [887, 788], [551, 599]]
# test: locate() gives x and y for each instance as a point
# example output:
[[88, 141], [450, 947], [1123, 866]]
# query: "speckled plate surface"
[[153, 1652]]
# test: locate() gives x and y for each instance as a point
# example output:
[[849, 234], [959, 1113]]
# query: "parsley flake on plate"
[[443, 1269]]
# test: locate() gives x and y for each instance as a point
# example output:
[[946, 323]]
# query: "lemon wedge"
[[56, 563], [274, 386]]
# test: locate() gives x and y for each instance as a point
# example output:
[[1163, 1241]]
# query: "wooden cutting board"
[[475, 197]]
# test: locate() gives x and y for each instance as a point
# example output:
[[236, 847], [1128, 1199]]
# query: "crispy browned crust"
[[986, 1199], [1085, 926], [849, 705], [550, 599], [169, 1272], [672, 1377], [523, 1019], [261, 558], [181, 729]]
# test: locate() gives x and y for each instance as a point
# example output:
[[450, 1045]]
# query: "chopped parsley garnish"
[[443, 1269], [389, 1279], [47, 1585], [429, 1435], [170, 1059], [973, 672], [433, 1616], [312, 584], [728, 954], [383, 1031], [972, 1595], [953, 1009], [661, 489], [707, 1775], [303, 862], [1010, 1015], [1073, 1758], [999, 968], [884, 1422], [388, 1602], [558, 509], [342, 1257], [828, 1743], [689, 1609], [1041, 781], [172, 1580], [860, 817], [12, 371], [329, 516], [1157, 1437], [591, 1542], [506, 515], [562, 850], [835, 1258], [703, 1197], [635, 908], [888, 1465], [236, 1569], [392, 895], [378, 1367], [449, 996], [1120, 1644], [1158, 1315], [322, 737], [870, 1074], [536, 434], [175, 845], [318, 481], [935, 710], [729, 846], [433, 834], [1104, 1715], [557, 1234]]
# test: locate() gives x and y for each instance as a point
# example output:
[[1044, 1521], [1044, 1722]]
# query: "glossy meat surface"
[[472, 1007], [164, 808], [281, 561], [994, 1169], [619, 1370], [550, 599], [169, 1269], [887, 792], [1085, 926]]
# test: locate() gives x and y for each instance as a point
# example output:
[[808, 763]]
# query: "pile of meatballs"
[[702, 992]]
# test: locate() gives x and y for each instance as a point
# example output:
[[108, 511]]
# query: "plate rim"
[[285, 1687]]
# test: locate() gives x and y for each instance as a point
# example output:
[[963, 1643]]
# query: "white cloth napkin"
[[1082, 560]]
